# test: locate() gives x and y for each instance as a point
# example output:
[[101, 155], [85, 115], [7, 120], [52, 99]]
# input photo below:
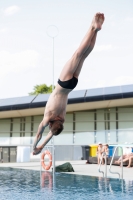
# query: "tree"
[[41, 89]]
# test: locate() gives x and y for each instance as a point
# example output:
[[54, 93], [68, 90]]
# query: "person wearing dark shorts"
[[70, 84], [55, 110]]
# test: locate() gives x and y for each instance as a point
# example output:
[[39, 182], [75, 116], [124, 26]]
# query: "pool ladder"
[[99, 168], [120, 176], [105, 172]]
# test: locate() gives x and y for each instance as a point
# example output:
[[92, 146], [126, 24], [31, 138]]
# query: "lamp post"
[[52, 31]]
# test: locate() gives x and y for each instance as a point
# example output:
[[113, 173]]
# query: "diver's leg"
[[88, 51], [83, 51]]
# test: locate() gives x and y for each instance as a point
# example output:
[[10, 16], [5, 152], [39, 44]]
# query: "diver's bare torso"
[[56, 105]]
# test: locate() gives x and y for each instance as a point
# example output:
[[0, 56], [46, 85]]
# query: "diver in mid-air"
[[55, 110]]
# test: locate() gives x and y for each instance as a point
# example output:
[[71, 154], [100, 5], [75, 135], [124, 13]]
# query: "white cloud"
[[100, 83], [102, 48], [129, 19], [113, 16], [17, 61], [123, 80], [113, 23], [3, 30], [11, 10]]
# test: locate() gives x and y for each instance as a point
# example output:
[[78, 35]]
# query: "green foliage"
[[41, 89]]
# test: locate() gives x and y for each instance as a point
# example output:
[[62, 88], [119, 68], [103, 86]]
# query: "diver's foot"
[[128, 166], [98, 21], [37, 150]]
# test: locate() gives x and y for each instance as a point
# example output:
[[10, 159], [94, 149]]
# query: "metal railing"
[[99, 168], [120, 176]]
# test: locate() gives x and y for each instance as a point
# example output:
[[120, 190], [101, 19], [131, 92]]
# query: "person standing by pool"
[[106, 152], [100, 150], [55, 110]]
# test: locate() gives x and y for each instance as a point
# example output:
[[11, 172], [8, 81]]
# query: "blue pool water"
[[17, 184]]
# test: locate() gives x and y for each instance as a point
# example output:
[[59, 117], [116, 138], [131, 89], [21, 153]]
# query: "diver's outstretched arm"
[[38, 136]]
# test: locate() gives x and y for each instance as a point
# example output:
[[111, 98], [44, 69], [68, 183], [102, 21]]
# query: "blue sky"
[[26, 49]]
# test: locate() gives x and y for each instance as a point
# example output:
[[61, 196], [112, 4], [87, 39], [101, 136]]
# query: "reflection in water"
[[25, 184], [46, 180]]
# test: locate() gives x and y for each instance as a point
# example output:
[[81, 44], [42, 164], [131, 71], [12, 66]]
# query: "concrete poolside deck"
[[80, 167]]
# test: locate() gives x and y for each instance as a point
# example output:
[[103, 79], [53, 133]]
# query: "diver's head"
[[56, 127]]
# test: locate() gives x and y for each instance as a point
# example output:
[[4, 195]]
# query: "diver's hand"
[[37, 150]]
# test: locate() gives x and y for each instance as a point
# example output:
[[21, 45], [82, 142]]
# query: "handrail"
[[121, 163], [104, 173]]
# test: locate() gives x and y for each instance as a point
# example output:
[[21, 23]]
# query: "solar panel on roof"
[[94, 92], [26, 99], [127, 88], [9, 101], [16, 100], [77, 94], [125, 91], [41, 98], [112, 90]]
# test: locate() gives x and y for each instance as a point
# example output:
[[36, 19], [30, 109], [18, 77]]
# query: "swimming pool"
[[17, 184]]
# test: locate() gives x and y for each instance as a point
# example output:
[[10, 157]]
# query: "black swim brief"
[[70, 84]]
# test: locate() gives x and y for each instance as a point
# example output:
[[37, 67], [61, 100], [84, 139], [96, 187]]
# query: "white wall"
[[84, 129], [4, 131], [112, 131], [100, 132], [125, 124], [5, 128], [84, 132], [27, 126]]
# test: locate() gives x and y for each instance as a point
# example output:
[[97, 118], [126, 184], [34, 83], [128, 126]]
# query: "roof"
[[79, 96]]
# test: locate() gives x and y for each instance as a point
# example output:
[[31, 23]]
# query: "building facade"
[[114, 125], [95, 115]]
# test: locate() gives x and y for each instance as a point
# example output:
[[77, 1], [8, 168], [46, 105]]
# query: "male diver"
[[55, 110]]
